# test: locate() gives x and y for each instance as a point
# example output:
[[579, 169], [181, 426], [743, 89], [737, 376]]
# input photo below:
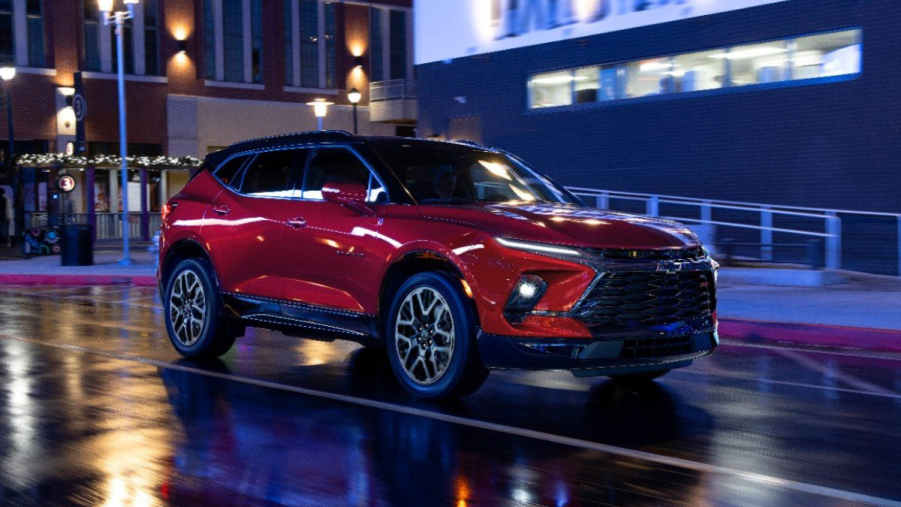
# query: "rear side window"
[[337, 165], [269, 174], [230, 171]]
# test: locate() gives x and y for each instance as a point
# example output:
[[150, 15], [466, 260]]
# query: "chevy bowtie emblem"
[[670, 267]]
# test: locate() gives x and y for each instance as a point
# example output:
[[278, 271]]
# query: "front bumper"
[[651, 349]]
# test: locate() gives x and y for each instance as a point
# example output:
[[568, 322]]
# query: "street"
[[96, 408]]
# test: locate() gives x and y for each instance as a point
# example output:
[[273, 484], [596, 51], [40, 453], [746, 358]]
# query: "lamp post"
[[354, 97], [118, 19], [7, 73], [320, 108]]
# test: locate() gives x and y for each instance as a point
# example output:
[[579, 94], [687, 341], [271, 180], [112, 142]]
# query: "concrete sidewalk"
[[864, 312]]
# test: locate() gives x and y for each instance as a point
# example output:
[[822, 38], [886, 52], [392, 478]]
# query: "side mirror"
[[352, 195]]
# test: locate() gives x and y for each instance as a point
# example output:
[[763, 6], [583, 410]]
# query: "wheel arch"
[[419, 261], [179, 251]]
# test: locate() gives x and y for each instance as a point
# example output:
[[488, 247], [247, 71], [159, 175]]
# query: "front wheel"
[[193, 311], [431, 339]]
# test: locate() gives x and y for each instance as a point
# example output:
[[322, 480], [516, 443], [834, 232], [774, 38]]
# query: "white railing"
[[106, 225], [395, 89], [760, 217]]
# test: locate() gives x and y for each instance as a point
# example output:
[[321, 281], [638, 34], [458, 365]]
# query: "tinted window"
[[269, 174], [339, 166], [228, 173]]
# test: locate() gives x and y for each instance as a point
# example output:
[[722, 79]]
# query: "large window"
[[816, 56], [398, 32], [209, 40], [35, 23], [151, 37], [7, 39], [376, 45], [233, 40], [231, 53], [311, 44]]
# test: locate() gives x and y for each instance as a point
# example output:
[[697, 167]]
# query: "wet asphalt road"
[[96, 408]]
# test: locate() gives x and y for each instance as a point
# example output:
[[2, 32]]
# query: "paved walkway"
[[864, 312]]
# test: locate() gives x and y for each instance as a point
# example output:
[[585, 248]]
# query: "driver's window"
[[339, 165]]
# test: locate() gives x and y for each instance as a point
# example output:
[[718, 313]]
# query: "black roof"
[[324, 136]]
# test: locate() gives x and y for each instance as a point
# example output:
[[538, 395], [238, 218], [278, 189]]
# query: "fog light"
[[526, 294]]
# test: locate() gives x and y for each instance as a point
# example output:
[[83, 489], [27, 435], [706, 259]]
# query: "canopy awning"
[[61, 161]]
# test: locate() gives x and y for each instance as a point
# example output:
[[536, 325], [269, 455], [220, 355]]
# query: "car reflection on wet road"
[[97, 409]]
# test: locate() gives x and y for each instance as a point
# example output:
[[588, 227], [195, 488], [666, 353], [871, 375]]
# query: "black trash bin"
[[77, 248]]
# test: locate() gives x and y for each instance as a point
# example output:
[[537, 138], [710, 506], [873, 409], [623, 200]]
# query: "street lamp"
[[118, 19], [7, 73], [354, 97], [320, 108]]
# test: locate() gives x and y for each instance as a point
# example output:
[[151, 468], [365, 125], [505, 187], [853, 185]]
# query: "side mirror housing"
[[351, 195]]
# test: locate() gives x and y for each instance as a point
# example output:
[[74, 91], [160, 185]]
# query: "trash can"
[[77, 246]]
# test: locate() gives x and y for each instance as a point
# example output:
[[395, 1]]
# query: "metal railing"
[[395, 89], [106, 225], [824, 224]]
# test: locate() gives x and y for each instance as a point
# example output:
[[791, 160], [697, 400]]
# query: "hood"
[[567, 224]]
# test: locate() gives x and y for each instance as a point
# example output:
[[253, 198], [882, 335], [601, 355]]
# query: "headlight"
[[539, 248]]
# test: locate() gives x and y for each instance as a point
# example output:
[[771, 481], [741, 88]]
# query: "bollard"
[[154, 249], [653, 206], [766, 234]]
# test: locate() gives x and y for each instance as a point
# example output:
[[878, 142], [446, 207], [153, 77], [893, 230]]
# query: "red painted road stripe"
[[884, 340]]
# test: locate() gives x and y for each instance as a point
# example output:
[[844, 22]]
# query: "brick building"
[[200, 75]]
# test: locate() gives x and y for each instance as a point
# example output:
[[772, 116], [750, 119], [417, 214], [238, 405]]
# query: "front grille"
[[648, 299], [655, 347], [685, 254]]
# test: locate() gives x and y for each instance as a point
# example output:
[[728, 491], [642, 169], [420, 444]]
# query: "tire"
[[191, 291], [644, 377], [433, 354]]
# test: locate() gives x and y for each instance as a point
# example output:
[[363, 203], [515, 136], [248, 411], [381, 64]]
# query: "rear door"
[[244, 225], [336, 254]]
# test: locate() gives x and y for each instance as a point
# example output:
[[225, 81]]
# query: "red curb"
[[138, 280], [884, 340]]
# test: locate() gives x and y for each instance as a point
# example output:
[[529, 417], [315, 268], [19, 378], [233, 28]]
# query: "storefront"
[[96, 197], [775, 101]]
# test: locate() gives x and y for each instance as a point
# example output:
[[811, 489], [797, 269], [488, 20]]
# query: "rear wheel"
[[193, 310], [638, 378], [431, 339]]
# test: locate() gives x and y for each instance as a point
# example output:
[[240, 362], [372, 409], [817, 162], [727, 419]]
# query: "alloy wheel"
[[187, 307], [424, 335]]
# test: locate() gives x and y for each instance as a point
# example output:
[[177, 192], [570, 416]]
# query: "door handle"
[[221, 210], [297, 222]]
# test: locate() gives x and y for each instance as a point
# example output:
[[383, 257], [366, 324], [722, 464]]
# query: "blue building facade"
[[786, 130]]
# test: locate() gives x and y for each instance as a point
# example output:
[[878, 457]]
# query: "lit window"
[[648, 77], [586, 82], [830, 54], [698, 71], [551, 89], [756, 63]]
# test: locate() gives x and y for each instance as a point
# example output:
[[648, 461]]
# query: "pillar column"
[[91, 198], [145, 213]]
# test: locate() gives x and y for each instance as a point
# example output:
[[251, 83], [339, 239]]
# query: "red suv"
[[455, 257]]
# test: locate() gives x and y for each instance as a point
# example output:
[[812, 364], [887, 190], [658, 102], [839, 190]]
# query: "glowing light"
[[537, 247], [652, 66], [528, 290], [496, 169], [749, 53], [320, 107], [559, 79]]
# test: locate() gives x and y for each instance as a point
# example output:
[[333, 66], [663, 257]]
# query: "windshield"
[[451, 174]]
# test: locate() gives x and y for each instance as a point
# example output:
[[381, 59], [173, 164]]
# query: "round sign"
[[80, 107], [70, 148], [66, 183]]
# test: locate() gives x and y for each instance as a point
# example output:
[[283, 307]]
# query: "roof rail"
[[299, 135]]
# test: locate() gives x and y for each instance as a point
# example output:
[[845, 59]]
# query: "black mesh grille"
[[689, 254], [655, 347], [648, 299]]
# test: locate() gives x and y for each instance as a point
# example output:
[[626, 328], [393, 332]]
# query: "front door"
[[337, 252]]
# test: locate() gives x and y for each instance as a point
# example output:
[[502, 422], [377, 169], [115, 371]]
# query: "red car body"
[[324, 267]]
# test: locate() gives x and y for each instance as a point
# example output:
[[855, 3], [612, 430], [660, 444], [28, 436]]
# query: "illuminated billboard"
[[447, 29]]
